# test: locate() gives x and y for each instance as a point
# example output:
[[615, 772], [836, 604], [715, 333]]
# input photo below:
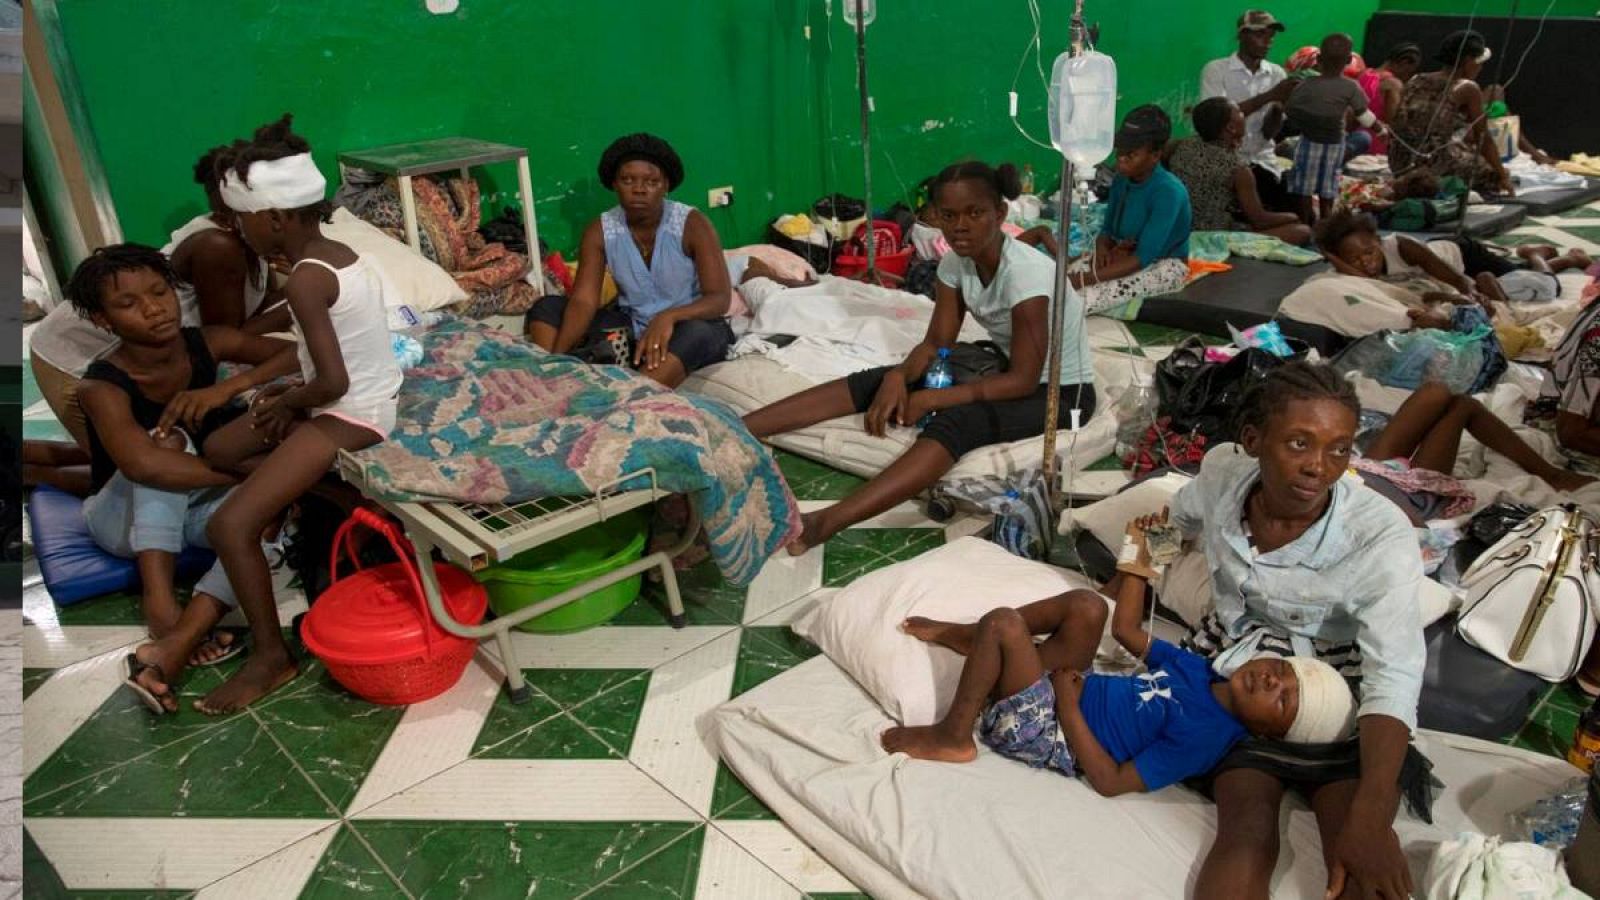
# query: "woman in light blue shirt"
[[1307, 562], [1006, 286], [667, 261]]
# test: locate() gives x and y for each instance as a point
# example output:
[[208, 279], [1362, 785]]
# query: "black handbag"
[[979, 359], [820, 256], [1204, 397]]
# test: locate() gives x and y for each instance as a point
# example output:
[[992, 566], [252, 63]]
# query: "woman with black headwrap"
[[667, 261]]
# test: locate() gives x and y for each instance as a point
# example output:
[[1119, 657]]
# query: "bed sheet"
[[1354, 307], [806, 743], [750, 382]]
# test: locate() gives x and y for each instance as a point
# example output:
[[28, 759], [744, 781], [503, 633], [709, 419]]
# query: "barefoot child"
[[1125, 733], [148, 404], [291, 437], [1319, 108]]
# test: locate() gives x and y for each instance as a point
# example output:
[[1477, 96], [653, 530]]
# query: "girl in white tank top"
[[291, 437]]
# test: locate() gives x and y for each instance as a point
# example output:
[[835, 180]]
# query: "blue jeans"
[[1357, 143], [126, 518]]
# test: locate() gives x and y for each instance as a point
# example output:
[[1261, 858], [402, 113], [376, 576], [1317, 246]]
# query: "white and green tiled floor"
[[598, 787]]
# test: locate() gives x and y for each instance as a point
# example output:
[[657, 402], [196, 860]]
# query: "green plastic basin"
[[549, 569]]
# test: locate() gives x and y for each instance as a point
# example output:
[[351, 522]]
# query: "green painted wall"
[[736, 85], [1526, 9]]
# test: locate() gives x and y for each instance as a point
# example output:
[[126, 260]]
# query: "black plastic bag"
[[1204, 397]]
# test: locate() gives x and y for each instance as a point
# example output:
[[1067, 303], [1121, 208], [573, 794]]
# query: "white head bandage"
[[287, 183], [1327, 708]]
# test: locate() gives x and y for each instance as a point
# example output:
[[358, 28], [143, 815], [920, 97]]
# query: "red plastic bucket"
[[373, 630]]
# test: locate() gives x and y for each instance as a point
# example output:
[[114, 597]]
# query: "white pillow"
[[1108, 519], [859, 627], [419, 282]]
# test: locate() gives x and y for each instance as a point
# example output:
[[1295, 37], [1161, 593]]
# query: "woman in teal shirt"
[[1143, 249]]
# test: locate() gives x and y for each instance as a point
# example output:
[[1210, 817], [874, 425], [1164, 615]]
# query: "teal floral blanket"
[[489, 418]]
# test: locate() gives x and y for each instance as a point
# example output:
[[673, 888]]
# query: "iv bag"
[[1083, 107], [869, 11]]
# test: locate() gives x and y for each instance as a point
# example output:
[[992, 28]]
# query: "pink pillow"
[[786, 264]]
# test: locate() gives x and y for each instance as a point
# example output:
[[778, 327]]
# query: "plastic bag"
[[1267, 336], [1020, 504], [1553, 821], [1407, 359]]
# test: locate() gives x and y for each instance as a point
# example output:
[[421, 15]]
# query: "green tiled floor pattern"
[[305, 752]]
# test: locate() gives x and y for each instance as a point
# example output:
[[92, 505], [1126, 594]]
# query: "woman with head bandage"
[[668, 265], [346, 399]]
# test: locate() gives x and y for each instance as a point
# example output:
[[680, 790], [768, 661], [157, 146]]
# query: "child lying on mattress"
[[1125, 733], [1352, 245]]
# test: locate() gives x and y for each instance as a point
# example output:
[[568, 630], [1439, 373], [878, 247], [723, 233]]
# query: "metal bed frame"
[[474, 535]]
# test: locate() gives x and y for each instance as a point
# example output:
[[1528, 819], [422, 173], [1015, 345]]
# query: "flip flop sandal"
[[137, 667], [229, 651]]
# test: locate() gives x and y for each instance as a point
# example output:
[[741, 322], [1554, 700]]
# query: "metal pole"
[[1058, 304], [866, 140]]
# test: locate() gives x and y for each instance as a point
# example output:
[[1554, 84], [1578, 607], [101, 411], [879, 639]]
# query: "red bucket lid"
[[374, 616]]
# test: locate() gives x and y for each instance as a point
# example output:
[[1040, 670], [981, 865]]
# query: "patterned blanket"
[[489, 418]]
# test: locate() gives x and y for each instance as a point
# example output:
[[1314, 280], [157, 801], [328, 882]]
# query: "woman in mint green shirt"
[[1006, 286]]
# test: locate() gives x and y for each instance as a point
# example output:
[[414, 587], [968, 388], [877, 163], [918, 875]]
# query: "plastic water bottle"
[[938, 376], [1083, 107], [1135, 410]]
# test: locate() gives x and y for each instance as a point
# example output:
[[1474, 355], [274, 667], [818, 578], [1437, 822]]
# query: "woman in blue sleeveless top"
[[668, 265]]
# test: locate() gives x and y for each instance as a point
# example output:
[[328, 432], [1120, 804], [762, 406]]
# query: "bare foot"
[[1541, 251], [930, 742], [954, 635], [813, 533], [1428, 318], [1580, 259], [1567, 480], [261, 674]]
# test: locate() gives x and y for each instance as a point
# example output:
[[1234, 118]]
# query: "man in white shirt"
[[1259, 88]]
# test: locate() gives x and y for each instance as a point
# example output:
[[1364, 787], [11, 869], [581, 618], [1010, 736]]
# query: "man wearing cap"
[[1258, 88], [1440, 125]]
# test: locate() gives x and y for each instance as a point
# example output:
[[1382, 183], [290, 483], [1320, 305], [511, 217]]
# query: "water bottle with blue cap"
[[938, 376]]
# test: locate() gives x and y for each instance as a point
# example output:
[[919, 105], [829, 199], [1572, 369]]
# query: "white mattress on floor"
[[806, 743], [750, 382]]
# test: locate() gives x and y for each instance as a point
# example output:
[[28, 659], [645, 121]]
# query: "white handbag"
[[1533, 598]]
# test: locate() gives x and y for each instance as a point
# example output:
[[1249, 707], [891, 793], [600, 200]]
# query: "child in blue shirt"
[[1143, 249], [1125, 733]]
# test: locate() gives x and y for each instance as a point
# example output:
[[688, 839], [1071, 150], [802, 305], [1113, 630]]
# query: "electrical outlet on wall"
[[720, 196]]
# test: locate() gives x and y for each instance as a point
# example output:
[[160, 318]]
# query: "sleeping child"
[[1125, 733], [1469, 269]]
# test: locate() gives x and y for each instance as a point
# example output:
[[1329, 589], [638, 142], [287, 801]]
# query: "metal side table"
[[405, 161]]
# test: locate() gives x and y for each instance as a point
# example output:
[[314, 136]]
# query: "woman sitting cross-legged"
[[1007, 287], [668, 265]]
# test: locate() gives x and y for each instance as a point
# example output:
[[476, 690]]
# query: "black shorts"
[[696, 343], [973, 425]]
